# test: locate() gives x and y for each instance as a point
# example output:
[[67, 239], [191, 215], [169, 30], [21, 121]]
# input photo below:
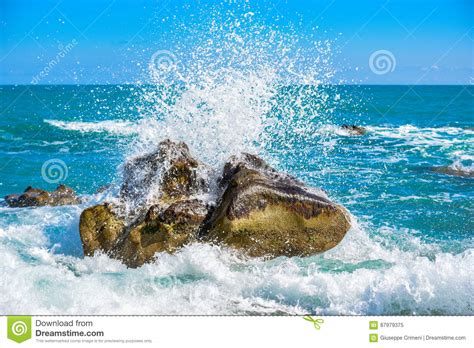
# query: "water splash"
[[204, 279], [220, 89]]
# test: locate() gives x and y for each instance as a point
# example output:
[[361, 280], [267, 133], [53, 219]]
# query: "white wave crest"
[[425, 136], [111, 126]]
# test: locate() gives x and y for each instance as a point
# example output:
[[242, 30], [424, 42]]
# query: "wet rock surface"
[[169, 173], [160, 213], [268, 213], [354, 130], [35, 197], [448, 170], [100, 229], [163, 230]]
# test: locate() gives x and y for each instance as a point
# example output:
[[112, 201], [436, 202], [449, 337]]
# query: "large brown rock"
[[167, 174], [34, 197], [156, 211], [267, 213]]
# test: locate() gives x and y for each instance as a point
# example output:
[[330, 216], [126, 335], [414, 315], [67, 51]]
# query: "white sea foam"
[[427, 136], [463, 164], [109, 126], [360, 276]]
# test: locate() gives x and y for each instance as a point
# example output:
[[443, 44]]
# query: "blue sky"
[[431, 41]]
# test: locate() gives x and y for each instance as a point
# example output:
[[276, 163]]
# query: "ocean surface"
[[409, 251]]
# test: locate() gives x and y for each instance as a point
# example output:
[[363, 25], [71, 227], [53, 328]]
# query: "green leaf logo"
[[316, 322], [19, 328]]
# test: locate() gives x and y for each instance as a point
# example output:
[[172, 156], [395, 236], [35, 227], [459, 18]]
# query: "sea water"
[[410, 248]]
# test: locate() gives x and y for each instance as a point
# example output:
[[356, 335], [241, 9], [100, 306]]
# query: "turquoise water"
[[409, 251]]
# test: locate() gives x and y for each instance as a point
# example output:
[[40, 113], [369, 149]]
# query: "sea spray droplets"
[[221, 95], [161, 65]]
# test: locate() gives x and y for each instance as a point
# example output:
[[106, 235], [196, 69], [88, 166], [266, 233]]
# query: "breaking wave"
[[360, 276], [112, 126]]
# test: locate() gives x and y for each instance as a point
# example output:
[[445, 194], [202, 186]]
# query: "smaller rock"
[[34, 197], [103, 188], [354, 130], [448, 170]]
